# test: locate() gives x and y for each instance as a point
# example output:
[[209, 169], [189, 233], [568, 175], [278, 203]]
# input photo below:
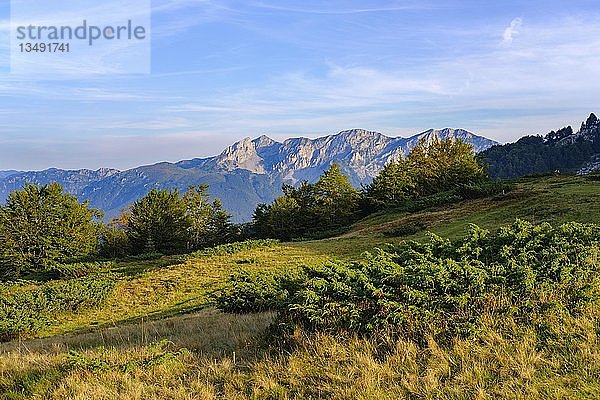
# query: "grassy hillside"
[[156, 336], [549, 199]]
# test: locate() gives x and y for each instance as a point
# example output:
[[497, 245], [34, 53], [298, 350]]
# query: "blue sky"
[[224, 70]]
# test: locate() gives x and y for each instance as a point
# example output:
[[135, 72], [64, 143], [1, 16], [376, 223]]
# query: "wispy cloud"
[[336, 9], [492, 83], [172, 17], [511, 31], [165, 123], [228, 69], [103, 58]]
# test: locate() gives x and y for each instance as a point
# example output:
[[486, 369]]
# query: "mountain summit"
[[361, 153], [246, 173]]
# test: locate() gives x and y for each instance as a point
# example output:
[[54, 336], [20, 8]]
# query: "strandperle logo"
[[79, 38], [85, 31]]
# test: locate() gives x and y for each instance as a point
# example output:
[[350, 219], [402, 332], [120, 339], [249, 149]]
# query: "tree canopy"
[[440, 165], [431, 167], [166, 222], [330, 203], [41, 226]]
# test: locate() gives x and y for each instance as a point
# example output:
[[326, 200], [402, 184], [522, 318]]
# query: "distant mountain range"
[[245, 174]]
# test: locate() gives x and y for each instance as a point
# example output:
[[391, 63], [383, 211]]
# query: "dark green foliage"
[[251, 292], [233, 248], [594, 177], [554, 137], [405, 230], [41, 226], [439, 287], [557, 151], [436, 173], [80, 269], [167, 223], [158, 223], [114, 242], [336, 200], [433, 200], [208, 223], [27, 311], [393, 187], [331, 203], [484, 188]]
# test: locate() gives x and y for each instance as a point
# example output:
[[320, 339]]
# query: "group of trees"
[[164, 221], [560, 150], [430, 168], [328, 204], [332, 202], [42, 226]]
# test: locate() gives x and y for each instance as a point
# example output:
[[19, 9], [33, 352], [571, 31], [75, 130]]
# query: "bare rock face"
[[361, 153]]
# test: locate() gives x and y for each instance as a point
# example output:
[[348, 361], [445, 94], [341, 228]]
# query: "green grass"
[[551, 199], [174, 285], [166, 287], [168, 298]]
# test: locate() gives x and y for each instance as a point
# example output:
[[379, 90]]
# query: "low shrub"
[[441, 287], [484, 188], [434, 200], [233, 248], [76, 270], [144, 256], [27, 311], [405, 230]]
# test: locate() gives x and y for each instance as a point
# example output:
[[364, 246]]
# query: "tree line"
[[433, 173], [42, 227], [560, 150]]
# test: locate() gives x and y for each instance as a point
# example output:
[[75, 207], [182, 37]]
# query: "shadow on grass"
[[133, 269], [207, 332]]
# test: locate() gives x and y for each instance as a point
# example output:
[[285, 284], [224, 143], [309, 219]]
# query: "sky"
[[225, 70]]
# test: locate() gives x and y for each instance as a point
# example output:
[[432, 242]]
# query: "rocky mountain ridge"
[[245, 174]]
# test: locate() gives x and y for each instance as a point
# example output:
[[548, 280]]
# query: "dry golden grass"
[[504, 361]]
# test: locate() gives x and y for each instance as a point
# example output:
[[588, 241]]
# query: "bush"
[[233, 248], [250, 292], [80, 269], [483, 188], [440, 287], [28, 311], [405, 230], [434, 200]]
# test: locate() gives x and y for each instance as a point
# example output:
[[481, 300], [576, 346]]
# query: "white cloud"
[[511, 31]]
